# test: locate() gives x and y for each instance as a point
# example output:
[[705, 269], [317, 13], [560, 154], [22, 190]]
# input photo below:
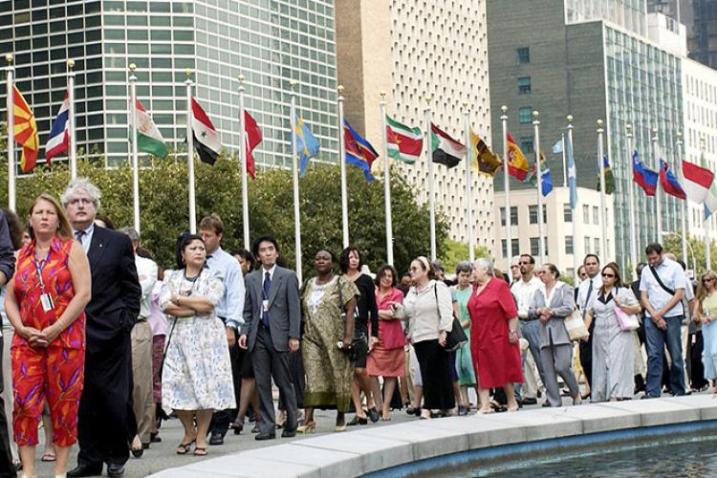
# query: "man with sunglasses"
[[523, 290], [662, 288], [587, 292]]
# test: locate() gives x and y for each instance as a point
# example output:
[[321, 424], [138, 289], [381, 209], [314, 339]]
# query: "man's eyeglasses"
[[524, 263]]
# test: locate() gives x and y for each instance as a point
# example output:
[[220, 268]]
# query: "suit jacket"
[[116, 292], [284, 307], [562, 302]]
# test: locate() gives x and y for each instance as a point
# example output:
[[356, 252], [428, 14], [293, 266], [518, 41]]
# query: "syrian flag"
[[252, 139], [58, 140], [446, 150], [206, 139], [149, 139], [696, 181]]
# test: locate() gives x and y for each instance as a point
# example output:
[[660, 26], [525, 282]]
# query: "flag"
[[546, 183], [711, 201], [517, 162], [25, 131], [252, 138], [609, 177], [206, 140], [58, 141], [558, 147], [446, 150], [644, 177], [697, 181], [404, 143], [359, 152], [486, 161], [669, 182], [149, 139], [572, 173], [307, 146]]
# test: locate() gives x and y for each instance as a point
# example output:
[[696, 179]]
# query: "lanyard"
[[38, 268]]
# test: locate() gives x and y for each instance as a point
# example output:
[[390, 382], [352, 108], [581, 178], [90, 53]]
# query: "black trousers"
[[104, 416], [298, 380], [586, 355], [7, 469], [435, 372], [268, 364], [223, 418]]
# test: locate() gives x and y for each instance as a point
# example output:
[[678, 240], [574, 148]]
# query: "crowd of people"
[[101, 343]]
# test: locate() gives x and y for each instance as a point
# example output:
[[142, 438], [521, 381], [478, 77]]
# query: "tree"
[[164, 209], [695, 251]]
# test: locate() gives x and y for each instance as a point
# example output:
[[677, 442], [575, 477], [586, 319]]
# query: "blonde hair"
[[64, 229], [701, 289]]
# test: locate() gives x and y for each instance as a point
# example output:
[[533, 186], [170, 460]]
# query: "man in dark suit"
[[272, 318], [105, 416]]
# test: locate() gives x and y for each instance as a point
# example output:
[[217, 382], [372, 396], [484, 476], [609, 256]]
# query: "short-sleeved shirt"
[[523, 292], [673, 276]]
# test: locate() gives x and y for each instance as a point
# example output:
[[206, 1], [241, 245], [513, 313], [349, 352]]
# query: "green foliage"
[[695, 247], [165, 214], [456, 252]]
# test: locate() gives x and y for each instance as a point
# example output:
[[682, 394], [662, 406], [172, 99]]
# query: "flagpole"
[[565, 163], [135, 155], [386, 184], [601, 162], [295, 182], [576, 261], [536, 143], [243, 166], [658, 208], [683, 215], [469, 185], [71, 117], [342, 163], [506, 185], [631, 195], [10, 135], [431, 180], [190, 156], [706, 221]]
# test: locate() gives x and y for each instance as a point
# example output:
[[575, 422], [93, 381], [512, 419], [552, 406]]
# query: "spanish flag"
[[25, 131], [517, 162]]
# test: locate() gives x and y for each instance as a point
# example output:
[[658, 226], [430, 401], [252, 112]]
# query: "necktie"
[[79, 235], [265, 298]]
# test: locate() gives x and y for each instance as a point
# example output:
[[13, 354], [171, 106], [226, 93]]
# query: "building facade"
[[563, 246], [438, 50], [594, 63], [270, 42]]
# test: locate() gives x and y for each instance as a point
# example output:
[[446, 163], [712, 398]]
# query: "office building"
[[436, 49], [269, 42]]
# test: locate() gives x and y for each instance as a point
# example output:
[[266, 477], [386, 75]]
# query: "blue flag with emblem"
[[307, 146]]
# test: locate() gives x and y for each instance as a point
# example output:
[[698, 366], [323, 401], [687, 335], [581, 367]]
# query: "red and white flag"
[[252, 139], [206, 139], [696, 181]]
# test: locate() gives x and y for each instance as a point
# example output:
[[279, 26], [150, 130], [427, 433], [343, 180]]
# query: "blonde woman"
[[705, 312]]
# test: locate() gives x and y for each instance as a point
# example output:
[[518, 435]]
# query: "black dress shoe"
[[216, 439], [84, 469], [288, 433], [530, 401], [115, 471], [264, 436], [373, 414], [356, 420]]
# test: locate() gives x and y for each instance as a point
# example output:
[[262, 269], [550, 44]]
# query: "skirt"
[[436, 367], [383, 362]]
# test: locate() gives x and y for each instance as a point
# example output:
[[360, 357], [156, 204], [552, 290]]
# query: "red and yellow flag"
[[517, 162], [25, 131]]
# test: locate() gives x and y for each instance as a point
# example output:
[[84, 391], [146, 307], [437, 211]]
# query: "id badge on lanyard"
[[45, 298]]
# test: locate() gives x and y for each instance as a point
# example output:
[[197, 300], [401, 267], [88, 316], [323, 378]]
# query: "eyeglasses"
[[524, 263], [610, 276], [708, 279]]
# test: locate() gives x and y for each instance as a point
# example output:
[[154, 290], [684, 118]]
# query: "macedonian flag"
[[25, 131]]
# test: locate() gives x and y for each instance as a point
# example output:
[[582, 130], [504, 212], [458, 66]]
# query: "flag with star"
[[206, 139]]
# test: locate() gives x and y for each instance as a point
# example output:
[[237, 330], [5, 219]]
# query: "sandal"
[[184, 448], [48, 456], [200, 451]]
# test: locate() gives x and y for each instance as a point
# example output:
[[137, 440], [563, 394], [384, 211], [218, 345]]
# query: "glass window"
[[567, 213], [588, 249], [596, 215], [596, 250], [526, 145], [533, 214], [525, 115], [586, 214], [568, 244], [534, 246], [514, 247], [524, 85], [523, 55]]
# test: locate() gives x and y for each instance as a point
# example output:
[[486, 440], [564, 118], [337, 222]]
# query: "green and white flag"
[[149, 139]]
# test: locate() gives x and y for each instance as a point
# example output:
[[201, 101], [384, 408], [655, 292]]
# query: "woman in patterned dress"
[[329, 372], [197, 376], [45, 303]]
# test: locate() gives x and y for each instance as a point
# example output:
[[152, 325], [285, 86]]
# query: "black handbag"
[[456, 338]]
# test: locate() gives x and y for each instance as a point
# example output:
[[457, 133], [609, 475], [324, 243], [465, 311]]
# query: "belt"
[[526, 320]]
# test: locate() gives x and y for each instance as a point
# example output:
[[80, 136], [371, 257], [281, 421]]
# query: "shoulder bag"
[[456, 338], [626, 322], [575, 325]]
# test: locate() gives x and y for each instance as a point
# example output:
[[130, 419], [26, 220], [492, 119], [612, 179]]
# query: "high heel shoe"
[[308, 427]]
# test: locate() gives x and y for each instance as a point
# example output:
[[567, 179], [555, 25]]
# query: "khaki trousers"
[[142, 403]]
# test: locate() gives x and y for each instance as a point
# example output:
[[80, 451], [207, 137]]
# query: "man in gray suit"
[[272, 317]]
